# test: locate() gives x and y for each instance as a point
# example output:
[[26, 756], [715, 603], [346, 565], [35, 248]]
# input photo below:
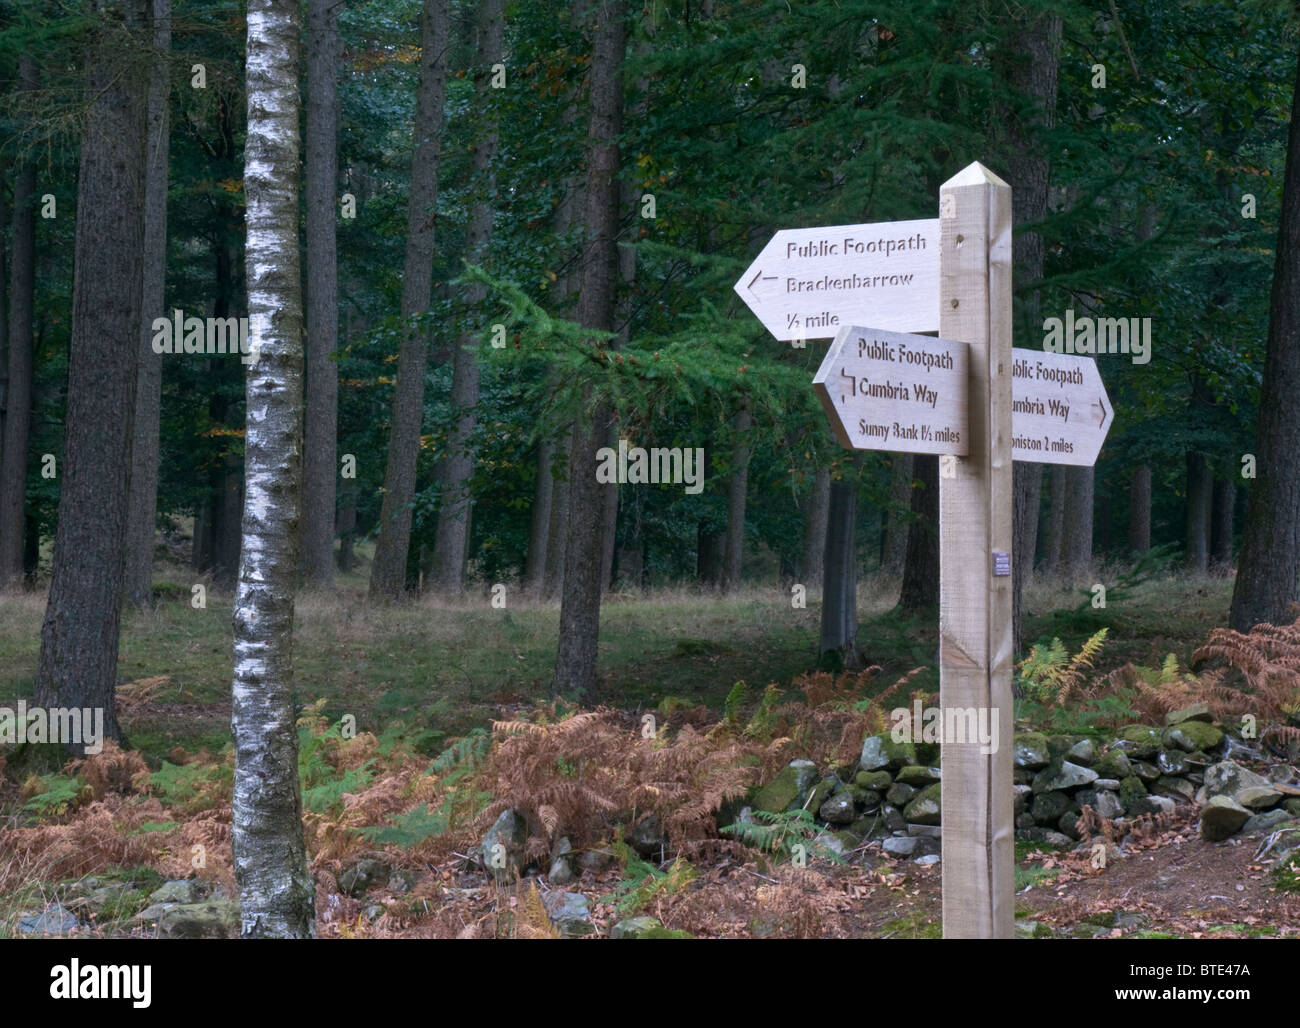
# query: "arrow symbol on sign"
[[1101, 418], [753, 286]]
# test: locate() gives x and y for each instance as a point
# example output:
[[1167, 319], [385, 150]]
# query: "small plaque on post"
[[1001, 563]]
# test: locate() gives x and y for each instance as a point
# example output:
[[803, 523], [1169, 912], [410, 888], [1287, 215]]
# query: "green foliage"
[[324, 790], [780, 833], [643, 882], [462, 758], [1286, 876], [1049, 672], [731, 707], [54, 794], [409, 829], [190, 787], [322, 784], [761, 724]]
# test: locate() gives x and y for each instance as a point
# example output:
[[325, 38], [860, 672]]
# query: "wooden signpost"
[[892, 391], [807, 283], [967, 394]]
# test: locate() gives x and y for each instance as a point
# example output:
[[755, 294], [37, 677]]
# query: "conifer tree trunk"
[[276, 893], [388, 574], [920, 589], [320, 454], [1030, 65], [1267, 568], [737, 488], [452, 543], [79, 639], [1076, 538], [1056, 521], [1199, 490], [557, 534], [18, 397], [148, 388], [812, 565], [894, 551], [1221, 514], [839, 628], [1139, 508], [540, 519], [575, 661]]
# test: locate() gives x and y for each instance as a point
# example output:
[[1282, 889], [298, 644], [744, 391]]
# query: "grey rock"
[[214, 919], [1030, 750], [1236, 749], [561, 871], [1179, 788], [1057, 839], [900, 794], [838, 810], [1109, 784], [1113, 764], [1020, 801], [1228, 778], [1145, 770], [182, 890], [929, 860], [924, 808], [1083, 752], [353, 880], [1193, 735], [569, 911], [1057, 777], [1258, 797], [925, 831], [645, 928], [891, 817], [595, 860], [1104, 802], [1172, 762], [1265, 822], [55, 919], [1221, 817], [647, 837], [918, 776], [1193, 712], [502, 848], [880, 751], [900, 845], [1049, 806]]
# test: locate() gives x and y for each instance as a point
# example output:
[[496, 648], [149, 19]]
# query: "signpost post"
[[967, 395], [975, 631]]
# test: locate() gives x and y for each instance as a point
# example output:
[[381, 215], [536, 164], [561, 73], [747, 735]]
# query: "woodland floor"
[[431, 673]]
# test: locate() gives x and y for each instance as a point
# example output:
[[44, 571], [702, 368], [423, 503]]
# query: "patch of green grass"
[[1034, 875], [1286, 876], [913, 925]]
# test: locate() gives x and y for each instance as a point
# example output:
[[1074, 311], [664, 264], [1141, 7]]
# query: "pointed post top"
[[974, 174]]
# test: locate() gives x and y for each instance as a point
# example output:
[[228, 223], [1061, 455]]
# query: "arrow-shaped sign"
[[1059, 409], [894, 391], [887, 390], [808, 283]]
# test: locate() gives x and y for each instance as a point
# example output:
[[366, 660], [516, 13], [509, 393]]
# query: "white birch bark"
[[276, 893]]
